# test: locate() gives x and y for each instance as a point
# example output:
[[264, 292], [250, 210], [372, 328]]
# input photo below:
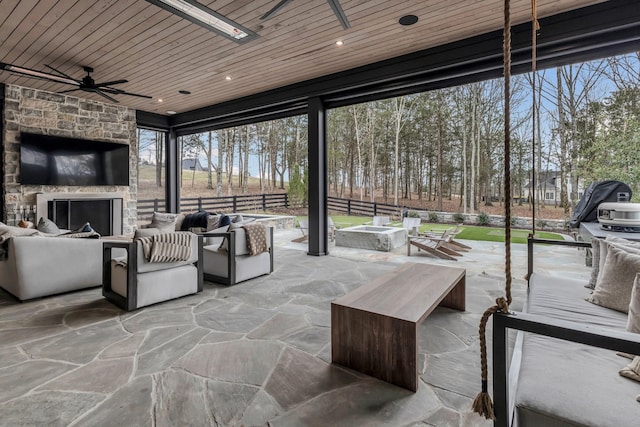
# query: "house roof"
[[161, 54]]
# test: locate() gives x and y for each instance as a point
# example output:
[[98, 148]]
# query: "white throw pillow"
[[164, 221], [615, 282], [633, 319]]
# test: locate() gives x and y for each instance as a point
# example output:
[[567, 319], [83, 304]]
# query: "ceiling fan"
[[335, 5], [86, 84]]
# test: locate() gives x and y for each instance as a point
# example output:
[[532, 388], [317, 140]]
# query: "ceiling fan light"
[[207, 18]]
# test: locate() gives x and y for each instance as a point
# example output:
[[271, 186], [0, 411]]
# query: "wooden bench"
[[374, 329]]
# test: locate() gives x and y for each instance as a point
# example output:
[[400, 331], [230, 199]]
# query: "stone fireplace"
[[72, 210], [41, 112]]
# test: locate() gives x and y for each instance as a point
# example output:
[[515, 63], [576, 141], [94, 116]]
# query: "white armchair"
[[226, 258], [133, 282]]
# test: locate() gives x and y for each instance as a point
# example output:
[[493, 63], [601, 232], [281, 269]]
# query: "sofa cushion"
[[567, 384], [564, 299], [615, 282]]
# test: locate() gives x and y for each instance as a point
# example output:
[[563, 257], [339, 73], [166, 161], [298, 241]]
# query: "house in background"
[[192, 164], [549, 187]]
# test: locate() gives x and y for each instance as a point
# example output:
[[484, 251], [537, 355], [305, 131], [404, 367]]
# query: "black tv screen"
[[55, 160]]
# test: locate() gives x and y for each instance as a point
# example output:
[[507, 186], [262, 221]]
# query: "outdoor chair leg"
[[432, 251], [443, 247], [460, 246]]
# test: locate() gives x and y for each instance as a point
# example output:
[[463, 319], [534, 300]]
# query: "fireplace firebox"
[[72, 210]]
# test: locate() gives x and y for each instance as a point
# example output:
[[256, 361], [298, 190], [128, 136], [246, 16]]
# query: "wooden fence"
[[254, 202], [264, 202], [363, 208]]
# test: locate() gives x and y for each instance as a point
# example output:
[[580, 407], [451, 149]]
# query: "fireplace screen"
[[73, 214]]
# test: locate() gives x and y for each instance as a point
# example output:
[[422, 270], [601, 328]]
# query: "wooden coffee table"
[[374, 329]]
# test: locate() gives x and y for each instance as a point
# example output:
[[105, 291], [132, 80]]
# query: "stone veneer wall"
[[36, 111]]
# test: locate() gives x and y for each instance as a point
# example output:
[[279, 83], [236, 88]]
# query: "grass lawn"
[[469, 232]]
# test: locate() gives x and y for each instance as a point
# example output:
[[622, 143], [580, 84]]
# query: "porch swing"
[[564, 398]]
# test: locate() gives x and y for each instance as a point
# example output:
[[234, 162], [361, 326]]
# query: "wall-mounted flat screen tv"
[[56, 160]]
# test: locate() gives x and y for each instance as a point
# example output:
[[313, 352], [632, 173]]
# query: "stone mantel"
[[47, 113]]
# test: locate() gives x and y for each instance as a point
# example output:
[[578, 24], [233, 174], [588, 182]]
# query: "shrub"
[[297, 192], [541, 223], [458, 217], [413, 214], [483, 218], [433, 217], [514, 220]]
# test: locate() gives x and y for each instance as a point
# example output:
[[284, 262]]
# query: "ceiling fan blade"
[[101, 93], [337, 9], [273, 10], [122, 92], [114, 82], [37, 74], [70, 90], [59, 72]]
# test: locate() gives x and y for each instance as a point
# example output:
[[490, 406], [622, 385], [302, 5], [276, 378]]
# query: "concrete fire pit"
[[371, 237]]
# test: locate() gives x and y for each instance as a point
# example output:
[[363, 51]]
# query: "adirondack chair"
[[452, 243], [411, 225], [304, 229], [434, 245]]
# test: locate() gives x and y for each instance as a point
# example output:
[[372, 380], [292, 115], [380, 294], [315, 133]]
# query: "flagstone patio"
[[257, 353]]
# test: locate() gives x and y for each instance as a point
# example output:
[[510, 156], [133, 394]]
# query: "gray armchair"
[[133, 282], [226, 258]]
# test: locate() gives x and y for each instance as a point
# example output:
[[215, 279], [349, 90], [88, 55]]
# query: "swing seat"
[[571, 381]]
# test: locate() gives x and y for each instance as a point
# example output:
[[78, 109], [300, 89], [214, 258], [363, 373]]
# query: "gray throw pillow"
[[615, 282], [45, 225], [595, 263]]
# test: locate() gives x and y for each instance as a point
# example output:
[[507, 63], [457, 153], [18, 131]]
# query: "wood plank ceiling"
[[160, 53]]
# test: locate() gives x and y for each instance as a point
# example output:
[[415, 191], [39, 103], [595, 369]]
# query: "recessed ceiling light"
[[159, 99], [228, 78], [184, 92], [199, 14], [339, 42], [171, 112], [408, 20]]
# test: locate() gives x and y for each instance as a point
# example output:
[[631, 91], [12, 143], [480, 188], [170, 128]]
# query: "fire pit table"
[[371, 237]]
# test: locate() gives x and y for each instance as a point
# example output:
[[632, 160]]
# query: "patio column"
[[318, 238], [172, 171]]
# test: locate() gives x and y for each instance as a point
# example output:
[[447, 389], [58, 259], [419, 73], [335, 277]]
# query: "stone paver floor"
[[257, 353]]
